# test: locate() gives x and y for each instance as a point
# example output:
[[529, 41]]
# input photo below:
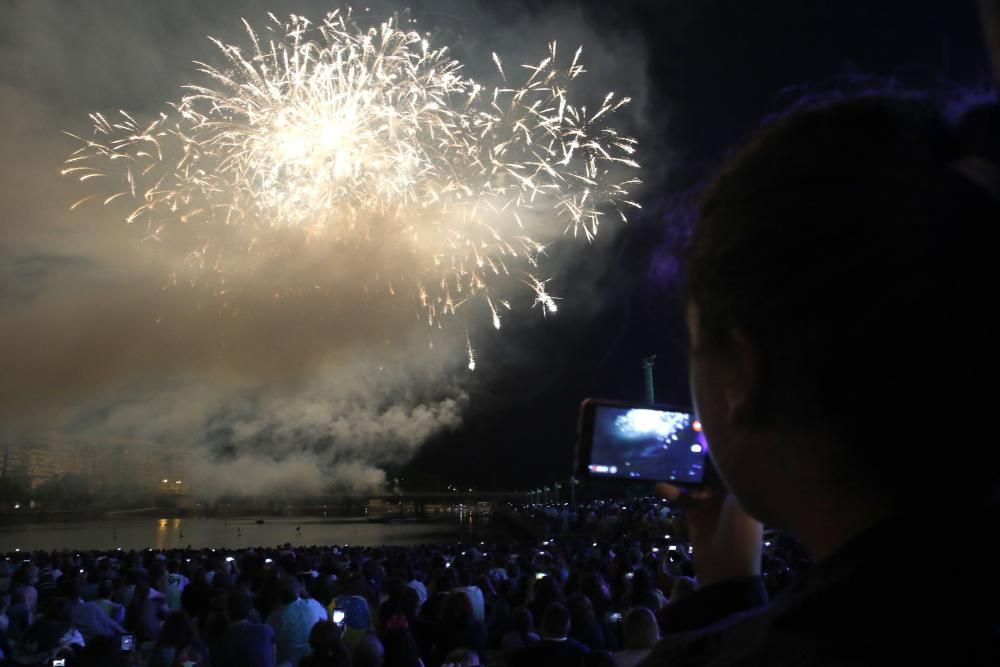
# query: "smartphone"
[[128, 642], [614, 617], [640, 442], [338, 616], [540, 575], [58, 662]]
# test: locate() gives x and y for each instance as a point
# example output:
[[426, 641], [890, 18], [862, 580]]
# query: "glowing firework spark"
[[371, 141], [470, 353], [639, 423]]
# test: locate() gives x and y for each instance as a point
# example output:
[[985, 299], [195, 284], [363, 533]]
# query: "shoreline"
[[68, 531]]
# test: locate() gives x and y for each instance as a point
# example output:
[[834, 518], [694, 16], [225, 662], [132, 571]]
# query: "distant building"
[[104, 464], [36, 465]]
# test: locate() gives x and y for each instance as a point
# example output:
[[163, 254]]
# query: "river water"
[[229, 533]]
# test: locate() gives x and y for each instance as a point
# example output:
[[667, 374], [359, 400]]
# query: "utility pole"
[[647, 367], [989, 13]]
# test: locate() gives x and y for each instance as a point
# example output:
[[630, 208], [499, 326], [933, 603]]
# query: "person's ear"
[[742, 383]]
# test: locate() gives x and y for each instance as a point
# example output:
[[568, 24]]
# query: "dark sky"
[[304, 392], [716, 69]]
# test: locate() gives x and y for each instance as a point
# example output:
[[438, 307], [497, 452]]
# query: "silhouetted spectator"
[[177, 633], [327, 647], [555, 647], [399, 649], [640, 635], [458, 627], [847, 241], [243, 644], [522, 634]]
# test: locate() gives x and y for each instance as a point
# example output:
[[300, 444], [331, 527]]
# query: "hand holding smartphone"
[[641, 442], [666, 445]]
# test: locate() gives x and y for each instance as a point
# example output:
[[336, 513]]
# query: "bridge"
[[418, 504]]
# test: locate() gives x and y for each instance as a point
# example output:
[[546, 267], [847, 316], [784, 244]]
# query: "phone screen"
[[128, 641], [645, 443], [338, 616]]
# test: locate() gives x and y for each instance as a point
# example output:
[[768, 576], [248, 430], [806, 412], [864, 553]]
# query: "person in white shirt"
[[175, 586], [293, 621]]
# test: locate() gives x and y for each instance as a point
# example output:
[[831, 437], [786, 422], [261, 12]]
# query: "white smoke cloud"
[[328, 430]]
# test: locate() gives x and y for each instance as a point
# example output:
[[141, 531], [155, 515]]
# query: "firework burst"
[[372, 145]]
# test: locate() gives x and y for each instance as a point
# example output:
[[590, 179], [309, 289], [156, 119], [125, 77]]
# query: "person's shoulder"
[[579, 646], [261, 630], [564, 652], [552, 647], [525, 655]]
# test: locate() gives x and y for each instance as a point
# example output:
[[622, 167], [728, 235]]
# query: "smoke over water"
[[328, 429], [260, 391]]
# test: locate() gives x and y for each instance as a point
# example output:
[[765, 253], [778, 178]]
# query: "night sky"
[[300, 393]]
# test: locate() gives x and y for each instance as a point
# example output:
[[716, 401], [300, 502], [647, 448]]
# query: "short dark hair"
[[288, 590], [456, 607], [178, 630], [845, 245], [239, 602], [325, 640], [555, 621], [640, 629], [522, 620]]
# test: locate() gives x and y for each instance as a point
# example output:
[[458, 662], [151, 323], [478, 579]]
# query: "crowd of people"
[[593, 598]]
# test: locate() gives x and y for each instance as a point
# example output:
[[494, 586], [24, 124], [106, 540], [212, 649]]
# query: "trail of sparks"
[[372, 141], [470, 352]]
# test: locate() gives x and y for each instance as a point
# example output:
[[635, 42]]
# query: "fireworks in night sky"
[[372, 144]]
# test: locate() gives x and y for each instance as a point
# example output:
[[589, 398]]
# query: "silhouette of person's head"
[[837, 304]]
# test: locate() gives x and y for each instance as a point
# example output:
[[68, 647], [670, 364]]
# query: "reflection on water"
[[166, 528], [230, 533]]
